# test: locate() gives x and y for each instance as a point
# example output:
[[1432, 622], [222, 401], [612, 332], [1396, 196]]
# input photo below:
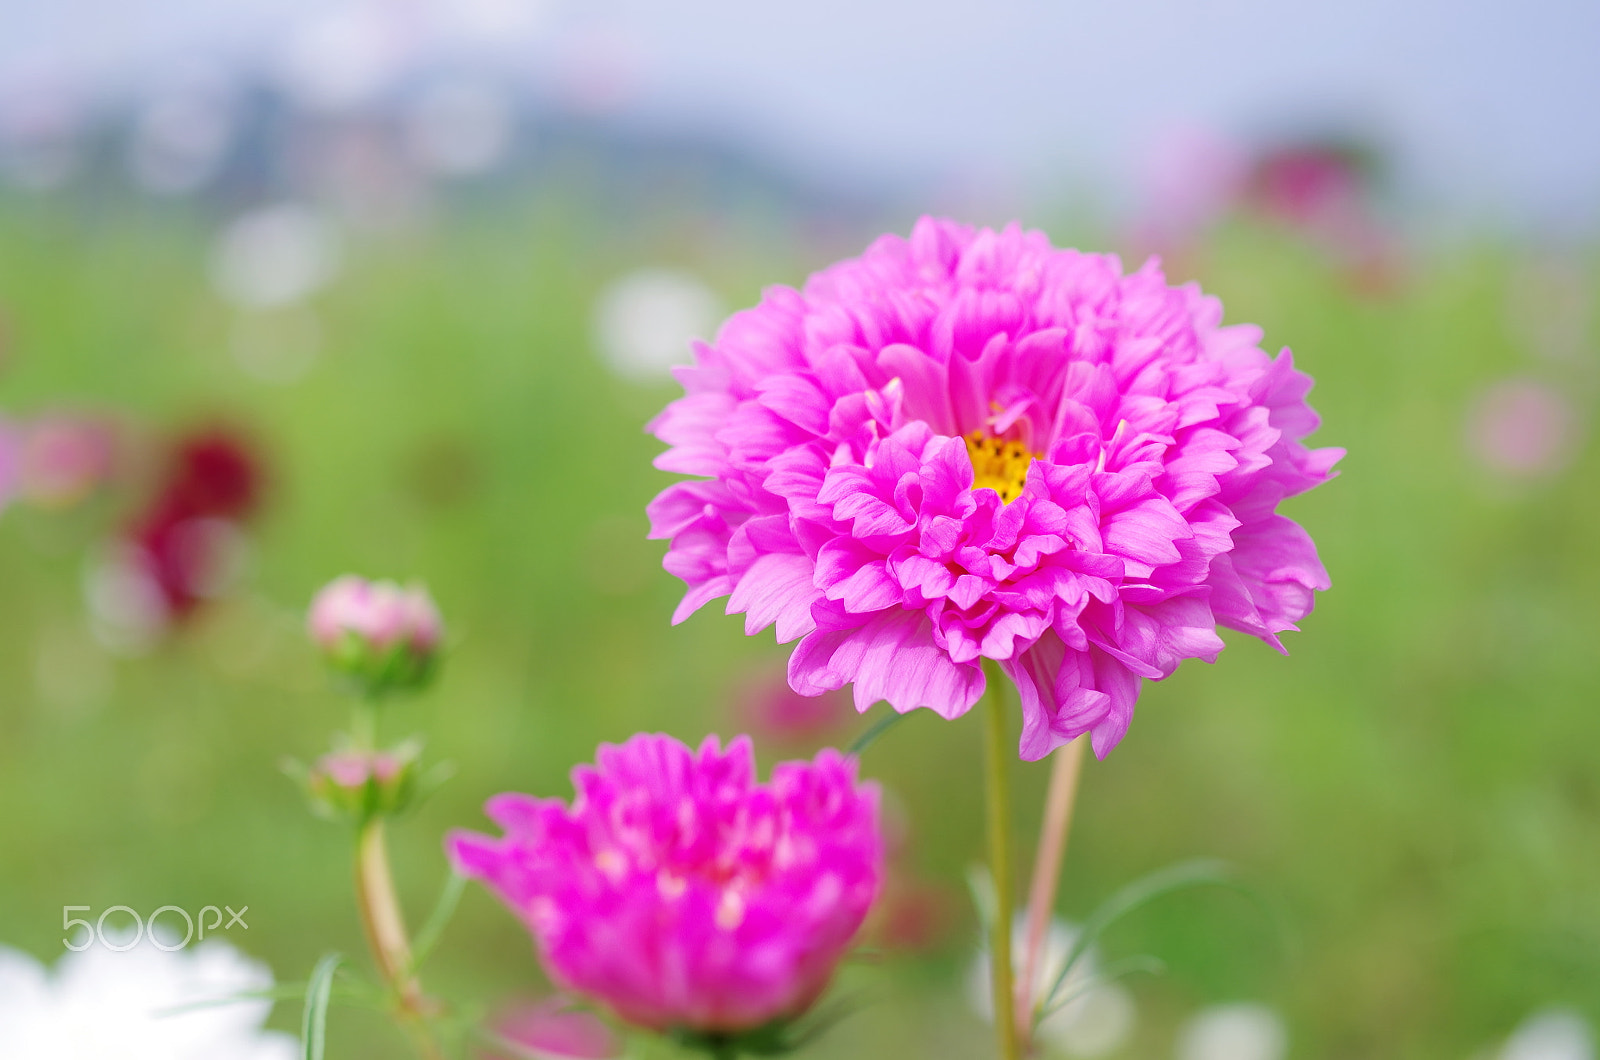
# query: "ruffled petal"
[[891, 657]]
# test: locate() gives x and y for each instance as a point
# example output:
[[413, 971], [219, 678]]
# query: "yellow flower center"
[[998, 465]]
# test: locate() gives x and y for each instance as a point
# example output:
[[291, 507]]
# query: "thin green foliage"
[[875, 730], [439, 919], [1141, 964], [314, 1022], [1201, 872]]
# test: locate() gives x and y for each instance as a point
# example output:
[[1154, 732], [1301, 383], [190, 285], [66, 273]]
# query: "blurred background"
[[290, 289]]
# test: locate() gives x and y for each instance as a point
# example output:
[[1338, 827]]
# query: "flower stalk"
[[997, 755], [1066, 768], [386, 933]]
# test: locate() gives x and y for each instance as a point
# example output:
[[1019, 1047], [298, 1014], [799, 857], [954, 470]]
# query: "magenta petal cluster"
[[678, 890], [970, 444]]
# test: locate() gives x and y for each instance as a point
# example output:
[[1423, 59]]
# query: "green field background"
[[1415, 789]]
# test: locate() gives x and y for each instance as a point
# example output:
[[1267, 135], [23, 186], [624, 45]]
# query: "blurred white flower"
[[180, 140], [645, 320], [1522, 428], [1097, 1021], [274, 256], [1242, 1031], [127, 611], [459, 128], [1554, 1034], [99, 1003]]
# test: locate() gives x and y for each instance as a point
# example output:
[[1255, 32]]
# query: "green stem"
[[386, 934], [997, 754]]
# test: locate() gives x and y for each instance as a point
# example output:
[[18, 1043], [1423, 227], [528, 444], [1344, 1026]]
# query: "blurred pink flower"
[[65, 458], [352, 769], [1327, 191], [1522, 428], [553, 1030], [380, 613], [915, 915], [972, 445], [10, 461], [678, 890], [382, 635], [769, 707], [1311, 184], [1192, 177], [359, 783]]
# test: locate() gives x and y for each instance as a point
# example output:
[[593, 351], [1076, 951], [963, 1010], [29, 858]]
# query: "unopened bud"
[[385, 637], [360, 785]]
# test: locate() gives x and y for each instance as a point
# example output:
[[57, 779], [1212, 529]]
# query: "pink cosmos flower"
[[681, 892], [971, 445], [1522, 428]]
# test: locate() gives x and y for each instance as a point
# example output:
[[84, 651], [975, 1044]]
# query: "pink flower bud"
[[359, 784], [383, 635]]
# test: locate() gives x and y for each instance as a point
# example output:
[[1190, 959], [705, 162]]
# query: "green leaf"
[[1201, 872], [314, 1023], [349, 993], [1114, 971], [436, 776], [875, 730], [281, 992], [434, 926]]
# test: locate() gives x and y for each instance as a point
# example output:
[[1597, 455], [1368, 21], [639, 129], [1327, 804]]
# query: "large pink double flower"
[[679, 890], [970, 445]]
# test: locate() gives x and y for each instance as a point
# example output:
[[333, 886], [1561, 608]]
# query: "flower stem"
[[386, 933], [997, 760], [1059, 801]]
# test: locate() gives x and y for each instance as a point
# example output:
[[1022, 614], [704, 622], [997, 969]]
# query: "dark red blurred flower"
[[189, 537]]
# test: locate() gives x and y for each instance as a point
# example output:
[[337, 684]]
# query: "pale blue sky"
[[1490, 105]]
